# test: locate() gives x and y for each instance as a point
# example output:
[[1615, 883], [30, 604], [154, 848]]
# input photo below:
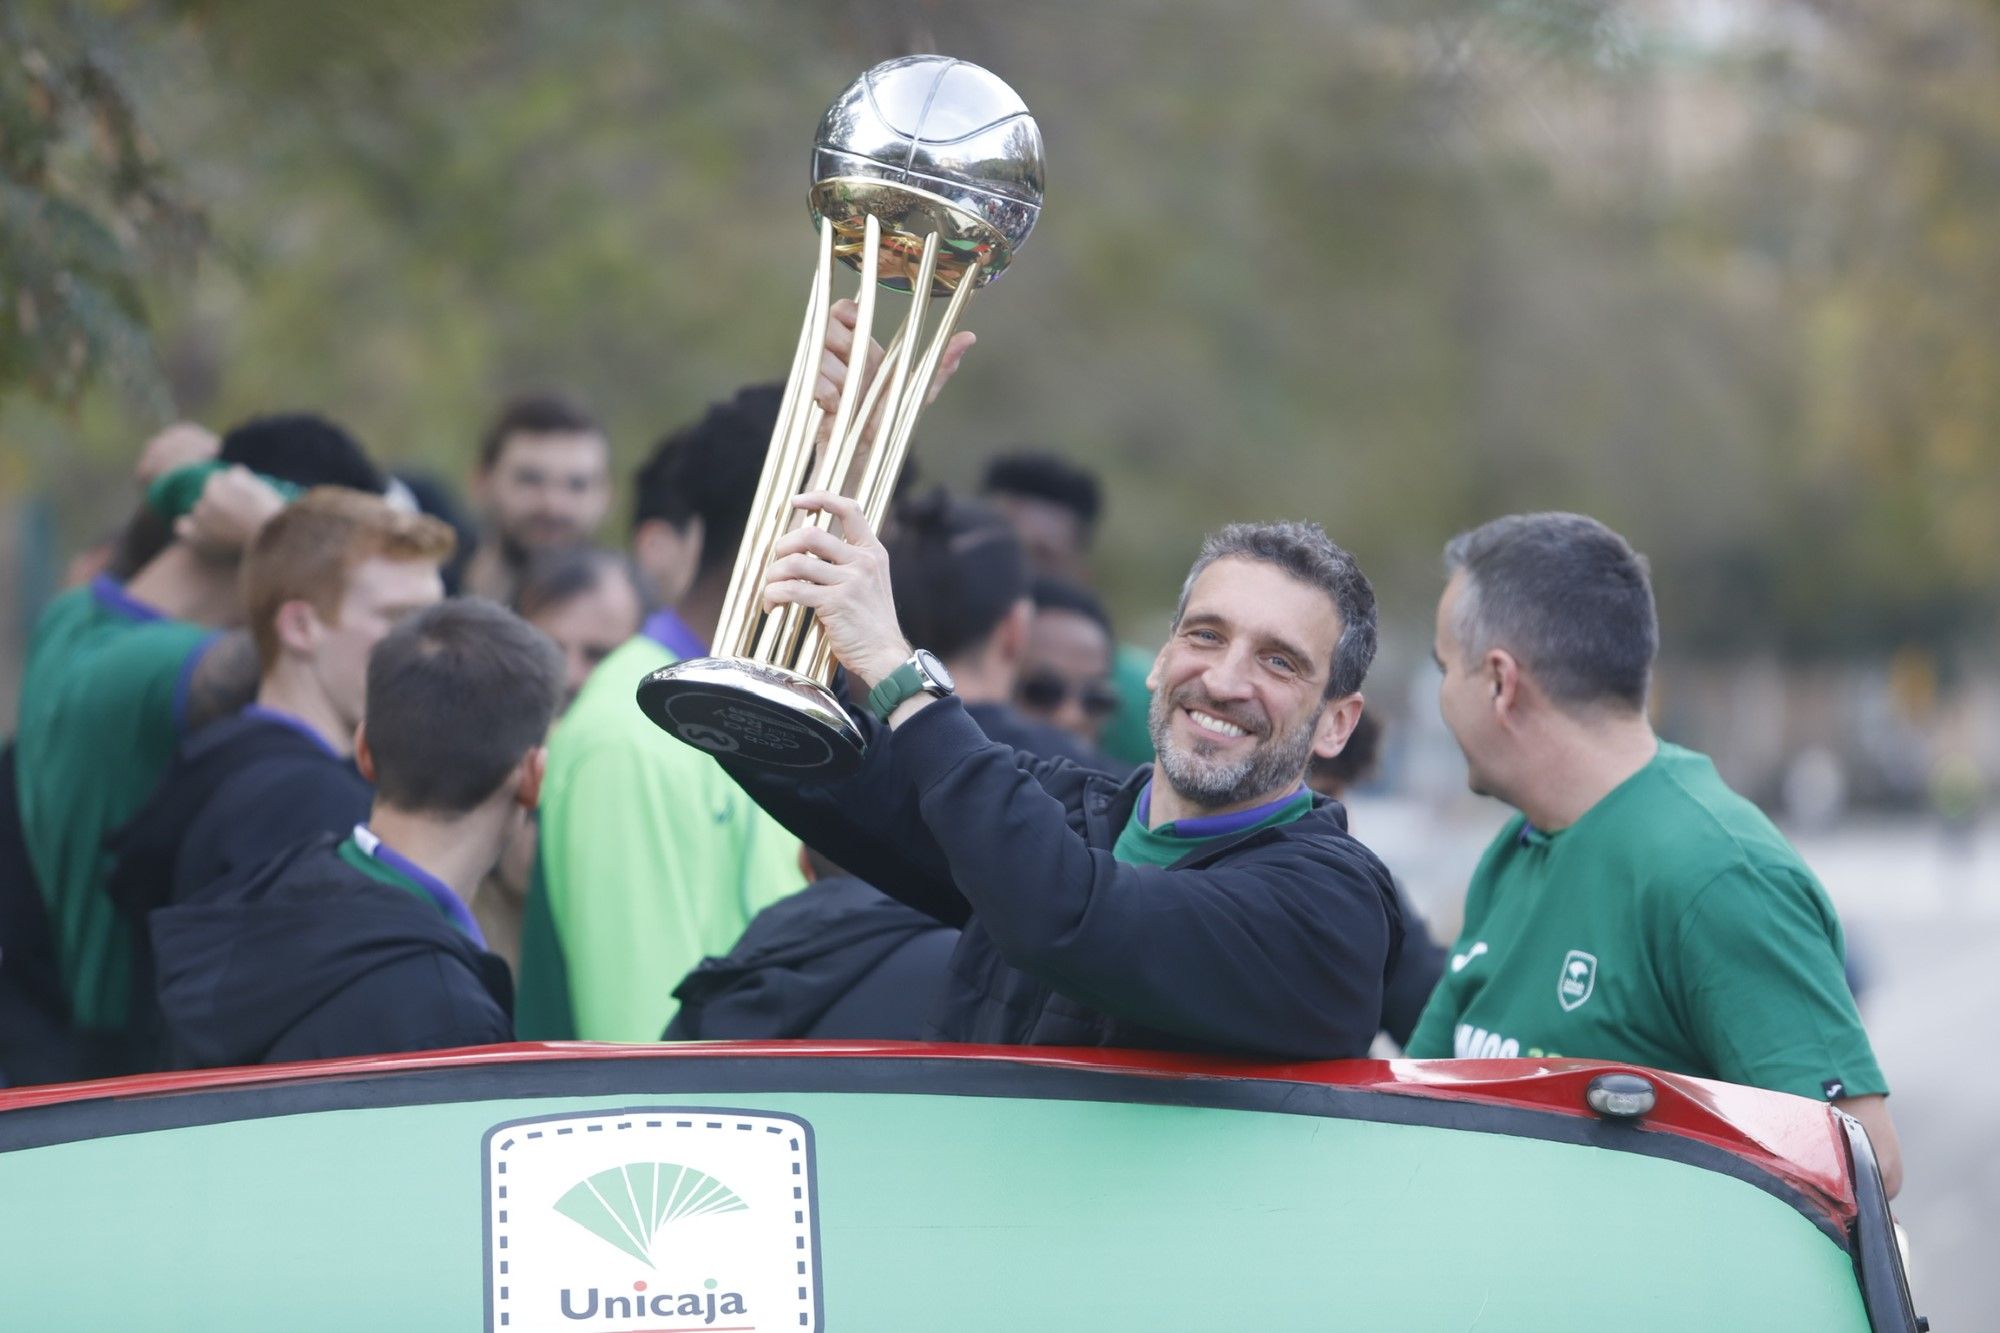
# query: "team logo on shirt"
[[1578, 979]]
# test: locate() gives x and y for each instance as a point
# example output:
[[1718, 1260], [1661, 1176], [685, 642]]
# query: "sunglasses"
[[1045, 692]]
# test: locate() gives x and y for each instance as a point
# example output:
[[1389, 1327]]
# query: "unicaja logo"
[[628, 1205], [704, 1305], [651, 1219]]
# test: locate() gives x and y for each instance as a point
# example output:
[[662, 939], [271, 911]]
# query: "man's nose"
[[1229, 677]]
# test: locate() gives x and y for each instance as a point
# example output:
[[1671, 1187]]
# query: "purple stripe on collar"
[[298, 724], [434, 888], [671, 633], [111, 595], [1214, 826]]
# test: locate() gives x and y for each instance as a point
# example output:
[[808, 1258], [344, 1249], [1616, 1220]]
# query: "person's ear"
[[534, 766], [1010, 638], [1159, 660], [1337, 719], [1502, 675], [298, 627], [364, 758], [806, 864]]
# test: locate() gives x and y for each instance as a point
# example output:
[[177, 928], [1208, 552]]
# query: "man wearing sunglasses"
[[1066, 672]]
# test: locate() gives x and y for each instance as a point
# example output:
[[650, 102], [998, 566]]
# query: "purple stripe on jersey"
[[111, 595], [1215, 826], [434, 888], [671, 633]]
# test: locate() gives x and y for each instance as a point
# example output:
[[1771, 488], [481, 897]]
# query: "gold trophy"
[[927, 178]]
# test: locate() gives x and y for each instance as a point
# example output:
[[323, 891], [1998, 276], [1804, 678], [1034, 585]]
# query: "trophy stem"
[[876, 500], [780, 644], [885, 464], [892, 388], [782, 464]]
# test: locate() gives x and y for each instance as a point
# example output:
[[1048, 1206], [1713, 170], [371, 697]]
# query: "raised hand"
[[843, 577], [839, 351], [233, 506], [178, 445]]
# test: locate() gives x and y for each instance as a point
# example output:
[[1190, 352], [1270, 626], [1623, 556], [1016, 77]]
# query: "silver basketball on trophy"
[[926, 178], [930, 144]]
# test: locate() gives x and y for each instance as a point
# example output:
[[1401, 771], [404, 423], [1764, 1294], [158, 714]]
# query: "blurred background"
[[1723, 273]]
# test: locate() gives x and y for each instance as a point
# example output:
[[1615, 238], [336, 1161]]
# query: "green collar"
[[350, 852], [368, 854], [1167, 844]]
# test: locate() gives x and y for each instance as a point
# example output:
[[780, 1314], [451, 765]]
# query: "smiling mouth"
[[1214, 725]]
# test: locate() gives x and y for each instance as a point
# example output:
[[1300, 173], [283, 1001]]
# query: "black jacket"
[[238, 792], [1008, 725], [37, 1044], [1273, 943], [309, 958], [1415, 974], [836, 960]]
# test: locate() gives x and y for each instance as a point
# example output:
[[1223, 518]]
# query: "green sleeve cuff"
[[174, 493]]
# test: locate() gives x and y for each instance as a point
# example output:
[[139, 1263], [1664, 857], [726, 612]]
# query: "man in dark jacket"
[[838, 960], [364, 943], [322, 583], [1211, 903]]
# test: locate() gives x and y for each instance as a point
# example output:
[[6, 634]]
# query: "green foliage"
[[1721, 275], [86, 210]]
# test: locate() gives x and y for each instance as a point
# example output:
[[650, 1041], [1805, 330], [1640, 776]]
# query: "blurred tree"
[[87, 210], [1719, 274]]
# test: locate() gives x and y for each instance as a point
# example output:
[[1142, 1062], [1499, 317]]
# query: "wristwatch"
[[922, 674]]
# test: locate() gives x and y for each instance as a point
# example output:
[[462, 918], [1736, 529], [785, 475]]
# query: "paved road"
[[1923, 918]]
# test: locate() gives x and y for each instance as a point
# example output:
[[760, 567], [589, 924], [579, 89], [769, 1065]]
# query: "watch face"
[[933, 671]]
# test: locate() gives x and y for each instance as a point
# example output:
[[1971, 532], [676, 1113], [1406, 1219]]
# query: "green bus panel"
[[932, 1213]]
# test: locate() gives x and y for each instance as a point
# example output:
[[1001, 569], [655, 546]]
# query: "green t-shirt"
[[101, 698], [1671, 926], [1166, 844], [1128, 736], [651, 859]]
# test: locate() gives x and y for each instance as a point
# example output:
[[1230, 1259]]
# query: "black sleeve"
[[1413, 976], [870, 824], [1278, 951]]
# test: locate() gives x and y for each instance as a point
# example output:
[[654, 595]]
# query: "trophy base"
[[753, 712]]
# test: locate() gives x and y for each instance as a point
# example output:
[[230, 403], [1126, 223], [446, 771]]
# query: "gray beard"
[[1211, 783]]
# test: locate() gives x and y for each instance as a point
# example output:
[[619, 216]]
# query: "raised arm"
[[1279, 949]]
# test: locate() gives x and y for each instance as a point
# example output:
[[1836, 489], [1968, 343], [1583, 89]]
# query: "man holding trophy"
[[1211, 903]]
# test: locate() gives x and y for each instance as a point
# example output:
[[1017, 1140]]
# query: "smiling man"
[[543, 484], [1212, 903]]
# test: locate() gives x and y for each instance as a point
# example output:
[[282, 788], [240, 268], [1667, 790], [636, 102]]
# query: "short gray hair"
[[1567, 596], [1304, 551]]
